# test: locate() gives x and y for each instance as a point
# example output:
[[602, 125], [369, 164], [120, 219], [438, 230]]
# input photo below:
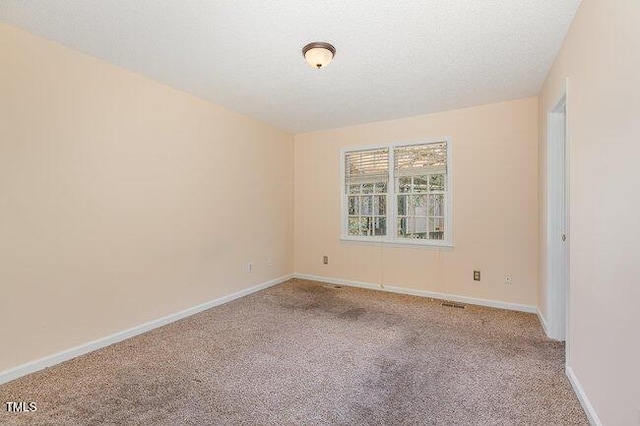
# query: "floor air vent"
[[453, 305], [332, 286]]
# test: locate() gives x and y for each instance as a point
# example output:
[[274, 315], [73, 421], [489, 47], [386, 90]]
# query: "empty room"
[[319, 212]]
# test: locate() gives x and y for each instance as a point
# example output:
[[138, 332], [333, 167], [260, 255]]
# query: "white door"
[[557, 222]]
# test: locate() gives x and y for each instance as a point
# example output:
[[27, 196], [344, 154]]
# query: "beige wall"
[[123, 200], [601, 57], [495, 205]]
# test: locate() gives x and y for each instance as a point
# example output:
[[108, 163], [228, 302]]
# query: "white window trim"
[[393, 240]]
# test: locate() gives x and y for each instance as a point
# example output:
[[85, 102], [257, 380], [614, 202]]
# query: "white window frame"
[[392, 209]]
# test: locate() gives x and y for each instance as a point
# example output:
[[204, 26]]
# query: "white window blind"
[[367, 166], [420, 159]]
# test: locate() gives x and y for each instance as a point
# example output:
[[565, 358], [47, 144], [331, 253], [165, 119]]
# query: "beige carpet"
[[308, 353]]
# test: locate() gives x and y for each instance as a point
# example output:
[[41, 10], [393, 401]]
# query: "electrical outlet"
[[508, 280], [269, 263], [249, 267], [325, 260], [476, 275]]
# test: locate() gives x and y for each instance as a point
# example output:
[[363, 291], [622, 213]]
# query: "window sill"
[[444, 245]]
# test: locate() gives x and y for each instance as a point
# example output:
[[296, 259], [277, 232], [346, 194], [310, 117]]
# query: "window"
[[399, 193]]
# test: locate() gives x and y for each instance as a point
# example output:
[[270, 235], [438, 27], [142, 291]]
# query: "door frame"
[[557, 250]]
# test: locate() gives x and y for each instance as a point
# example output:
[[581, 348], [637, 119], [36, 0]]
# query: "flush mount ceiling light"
[[318, 54]]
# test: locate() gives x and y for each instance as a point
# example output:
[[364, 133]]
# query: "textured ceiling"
[[394, 58]]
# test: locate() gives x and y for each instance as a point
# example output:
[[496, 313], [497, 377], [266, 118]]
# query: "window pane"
[[402, 205], [417, 205], [367, 188], [420, 183], [380, 226], [366, 226], [411, 226], [421, 227], [353, 205], [404, 184], [366, 205], [380, 205], [354, 189], [381, 187], [436, 205], [436, 229], [402, 226], [354, 226], [436, 183]]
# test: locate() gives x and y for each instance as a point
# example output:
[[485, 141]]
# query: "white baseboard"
[[57, 358], [543, 323], [423, 293], [582, 397]]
